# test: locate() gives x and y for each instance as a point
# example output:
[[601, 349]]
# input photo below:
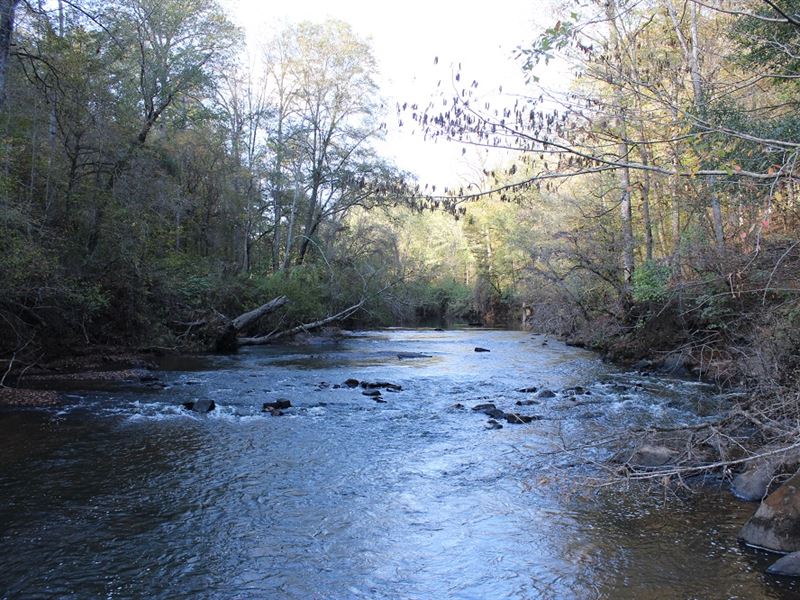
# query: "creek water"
[[124, 494]]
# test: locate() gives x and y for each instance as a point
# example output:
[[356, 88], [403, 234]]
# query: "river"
[[122, 493]]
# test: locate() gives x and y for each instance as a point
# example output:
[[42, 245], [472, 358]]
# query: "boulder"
[[788, 566], [776, 524], [753, 483], [200, 406], [351, 383], [546, 394], [277, 405], [528, 390], [372, 393], [479, 349]]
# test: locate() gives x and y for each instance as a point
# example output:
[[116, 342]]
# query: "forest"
[[155, 184], [243, 353]]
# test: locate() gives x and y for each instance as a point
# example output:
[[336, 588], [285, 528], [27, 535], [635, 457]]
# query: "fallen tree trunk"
[[228, 341], [265, 339]]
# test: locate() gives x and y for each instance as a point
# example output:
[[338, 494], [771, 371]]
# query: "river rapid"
[[125, 494]]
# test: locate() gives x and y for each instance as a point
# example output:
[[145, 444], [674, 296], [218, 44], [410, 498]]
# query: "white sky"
[[405, 37]]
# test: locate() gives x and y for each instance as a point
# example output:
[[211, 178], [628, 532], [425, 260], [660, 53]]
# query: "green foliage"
[[651, 282]]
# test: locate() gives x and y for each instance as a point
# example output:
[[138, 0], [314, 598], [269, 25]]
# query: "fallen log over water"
[[305, 327], [228, 341]]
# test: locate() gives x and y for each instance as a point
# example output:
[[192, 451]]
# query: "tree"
[[7, 8]]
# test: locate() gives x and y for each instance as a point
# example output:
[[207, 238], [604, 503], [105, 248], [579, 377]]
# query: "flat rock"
[[479, 349], [788, 566], [526, 402], [528, 390], [483, 407], [372, 393], [776, 524]]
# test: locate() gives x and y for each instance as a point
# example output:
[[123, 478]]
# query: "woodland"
[[154, 185]]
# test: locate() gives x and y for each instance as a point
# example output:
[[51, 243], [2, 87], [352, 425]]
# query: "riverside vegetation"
[[153, 187]]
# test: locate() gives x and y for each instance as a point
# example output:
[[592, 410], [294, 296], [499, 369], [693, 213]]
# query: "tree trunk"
[[6, 30], [623, 151], [227, 342], [265, 339]]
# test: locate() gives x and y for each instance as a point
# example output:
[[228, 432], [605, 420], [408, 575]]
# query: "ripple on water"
[[123, 494]]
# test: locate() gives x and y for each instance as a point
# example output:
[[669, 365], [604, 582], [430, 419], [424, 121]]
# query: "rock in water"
[[516, 418], [492, 424], [372, 393], [404, 355], [351, 383], [755, 481], [200, 406], [528, 390], [526, 402], [392, 387], [546, 394], [788, 566], [479, 349], [277, 405], [776, 524]]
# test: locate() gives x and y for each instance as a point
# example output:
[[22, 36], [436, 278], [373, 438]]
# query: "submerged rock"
[[483, 407], [788, 566], [651, 456], [406, 355], [200, 406], [546, 394], [776, 524], [372, 393], [277, 405], [528, 390], [492, 424], [458, 406], [526, 402], [479, 349]]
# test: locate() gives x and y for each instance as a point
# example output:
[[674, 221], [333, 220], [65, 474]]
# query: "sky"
[[406, 38]]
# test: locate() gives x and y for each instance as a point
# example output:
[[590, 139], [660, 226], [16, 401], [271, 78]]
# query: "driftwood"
[[265, 339], [228, 341]]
